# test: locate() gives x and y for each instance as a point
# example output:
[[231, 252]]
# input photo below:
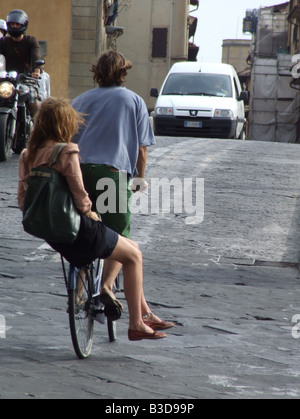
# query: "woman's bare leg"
[[144, 305], [128, 254], [110, 272]]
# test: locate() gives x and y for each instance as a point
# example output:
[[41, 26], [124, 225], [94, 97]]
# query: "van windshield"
[[199, 84]]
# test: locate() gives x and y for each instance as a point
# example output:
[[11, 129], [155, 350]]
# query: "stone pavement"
[[231, 285]]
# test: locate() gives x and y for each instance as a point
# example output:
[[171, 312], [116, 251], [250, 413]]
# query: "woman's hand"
[[93, 215]]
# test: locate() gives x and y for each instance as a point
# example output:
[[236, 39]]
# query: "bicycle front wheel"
[[80, 314]]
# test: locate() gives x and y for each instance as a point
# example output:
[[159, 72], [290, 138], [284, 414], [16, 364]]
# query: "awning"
[[294, 13], [193, 22], [245, 73]]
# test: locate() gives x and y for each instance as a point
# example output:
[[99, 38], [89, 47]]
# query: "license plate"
[[193, 124]]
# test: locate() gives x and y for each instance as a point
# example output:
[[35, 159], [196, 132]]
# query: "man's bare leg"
[[111, 270]]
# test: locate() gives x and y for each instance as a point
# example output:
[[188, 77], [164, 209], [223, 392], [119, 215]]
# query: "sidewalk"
[[231, 285]]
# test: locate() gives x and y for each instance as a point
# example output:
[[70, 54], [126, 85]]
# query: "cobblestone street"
[[230, 283]]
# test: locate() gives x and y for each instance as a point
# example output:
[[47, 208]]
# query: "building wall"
[[88, 40], [75, 37], [138, 22], [47, 24], [236, 52], [274, 104]]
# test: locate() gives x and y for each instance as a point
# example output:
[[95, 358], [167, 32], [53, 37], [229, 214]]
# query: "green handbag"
[[49, 211]]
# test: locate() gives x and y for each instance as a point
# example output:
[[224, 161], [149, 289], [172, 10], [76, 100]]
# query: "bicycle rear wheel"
[[80, 314]]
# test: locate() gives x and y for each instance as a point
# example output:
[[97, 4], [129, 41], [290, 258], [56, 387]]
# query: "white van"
[[200, 100]]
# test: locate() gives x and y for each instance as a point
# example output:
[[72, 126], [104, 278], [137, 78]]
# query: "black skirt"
[[94, 241]]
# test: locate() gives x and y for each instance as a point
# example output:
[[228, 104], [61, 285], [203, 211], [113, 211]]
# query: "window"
[[199, 84], [159, 42]]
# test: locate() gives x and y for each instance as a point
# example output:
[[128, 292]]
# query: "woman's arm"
[[68, 165]]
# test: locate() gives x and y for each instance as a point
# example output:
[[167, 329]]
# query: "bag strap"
[[55, 153]]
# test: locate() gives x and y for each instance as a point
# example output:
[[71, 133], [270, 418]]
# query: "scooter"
[[16, 123]]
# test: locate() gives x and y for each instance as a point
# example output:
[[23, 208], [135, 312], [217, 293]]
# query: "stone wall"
[[88, 40]]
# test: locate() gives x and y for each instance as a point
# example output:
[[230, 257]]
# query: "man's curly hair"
[[110, 69]]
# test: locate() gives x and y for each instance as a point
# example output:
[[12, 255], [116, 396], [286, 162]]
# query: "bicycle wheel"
[[80, 314]]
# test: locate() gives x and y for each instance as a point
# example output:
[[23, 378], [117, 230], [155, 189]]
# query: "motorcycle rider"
[[20, 50], [3, 28]]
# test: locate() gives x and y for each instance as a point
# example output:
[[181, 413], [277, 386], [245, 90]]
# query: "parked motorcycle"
[[16, 123]]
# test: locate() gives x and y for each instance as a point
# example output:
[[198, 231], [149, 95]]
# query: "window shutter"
[[159, 42]]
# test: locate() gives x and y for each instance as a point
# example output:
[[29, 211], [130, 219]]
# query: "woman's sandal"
[[148, 319], [112, 307], [136, 335]]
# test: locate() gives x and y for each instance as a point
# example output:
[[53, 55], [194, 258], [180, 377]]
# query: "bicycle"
[[84, 307]]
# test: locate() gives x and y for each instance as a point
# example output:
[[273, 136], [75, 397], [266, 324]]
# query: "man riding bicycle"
[[20, 50]]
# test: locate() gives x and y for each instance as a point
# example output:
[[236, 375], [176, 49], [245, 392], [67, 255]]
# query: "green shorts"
[[111, 201]]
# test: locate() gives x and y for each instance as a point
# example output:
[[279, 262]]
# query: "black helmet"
[[17, 16]]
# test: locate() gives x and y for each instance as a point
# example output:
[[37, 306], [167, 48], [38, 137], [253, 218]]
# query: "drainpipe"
[[171, 33]]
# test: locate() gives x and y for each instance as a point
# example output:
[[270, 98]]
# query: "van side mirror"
[[154, 92], [244, 96]]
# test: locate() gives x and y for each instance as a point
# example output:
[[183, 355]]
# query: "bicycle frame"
[[96, 273]]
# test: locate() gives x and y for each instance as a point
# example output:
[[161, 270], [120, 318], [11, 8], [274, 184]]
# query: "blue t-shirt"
[[116, 125]]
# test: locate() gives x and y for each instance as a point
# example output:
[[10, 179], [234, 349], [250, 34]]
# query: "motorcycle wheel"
[[5, 139]]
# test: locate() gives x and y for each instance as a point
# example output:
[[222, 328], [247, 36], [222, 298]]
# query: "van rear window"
[[198, 85]]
